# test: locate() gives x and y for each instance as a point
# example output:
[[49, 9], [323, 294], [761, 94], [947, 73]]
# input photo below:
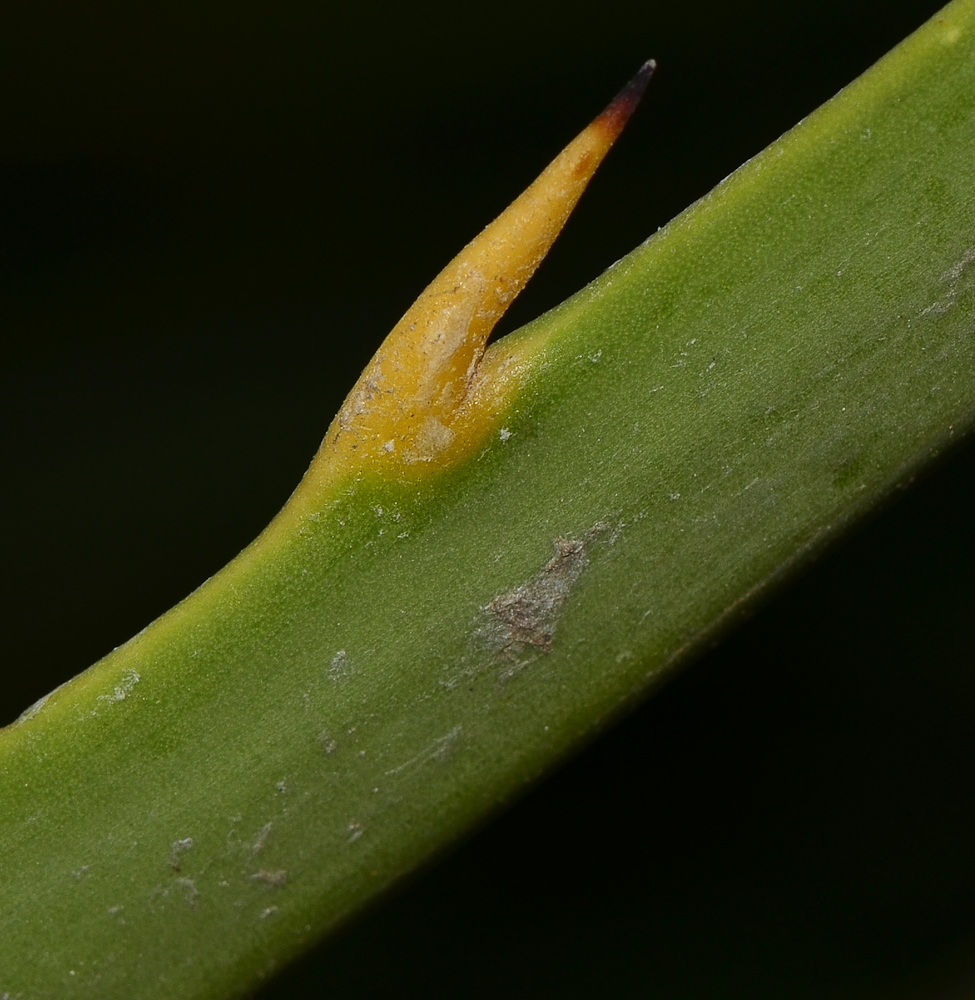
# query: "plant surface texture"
[[401, 653]]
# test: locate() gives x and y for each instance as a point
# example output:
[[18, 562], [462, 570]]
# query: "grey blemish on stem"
[[524, 619], [275, 878], [179, 847], [191, 891], [261, 840], [329, 745], [31, 711], [26, 716], [440, 750], [953, 279], [339, 668]]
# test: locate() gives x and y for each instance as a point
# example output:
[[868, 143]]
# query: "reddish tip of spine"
[[619, 109]]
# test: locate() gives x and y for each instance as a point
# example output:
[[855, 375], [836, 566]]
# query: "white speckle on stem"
[[29, 713], [179, 847], [273, 878], [123, 689], [339, 668], [953, 279], [261, 840], [191, 891], [440, 749]]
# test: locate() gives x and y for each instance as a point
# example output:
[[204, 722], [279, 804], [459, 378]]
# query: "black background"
[[211, 213]]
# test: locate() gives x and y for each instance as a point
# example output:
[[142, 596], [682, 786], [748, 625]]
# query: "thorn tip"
[[622, 106]]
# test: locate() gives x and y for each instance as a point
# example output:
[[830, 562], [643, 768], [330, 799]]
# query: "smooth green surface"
[[721, 401]]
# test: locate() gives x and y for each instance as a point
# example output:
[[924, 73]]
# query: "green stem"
[[350, 695]]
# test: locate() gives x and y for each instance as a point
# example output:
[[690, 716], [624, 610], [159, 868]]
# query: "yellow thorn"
[[423, 402]]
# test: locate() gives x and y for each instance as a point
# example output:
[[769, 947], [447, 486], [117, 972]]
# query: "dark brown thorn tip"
[[619, 109]]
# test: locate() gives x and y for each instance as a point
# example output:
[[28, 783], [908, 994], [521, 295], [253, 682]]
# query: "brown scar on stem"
[[524, 619]]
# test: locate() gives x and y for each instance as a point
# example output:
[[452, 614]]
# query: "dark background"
[[211, 213]]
